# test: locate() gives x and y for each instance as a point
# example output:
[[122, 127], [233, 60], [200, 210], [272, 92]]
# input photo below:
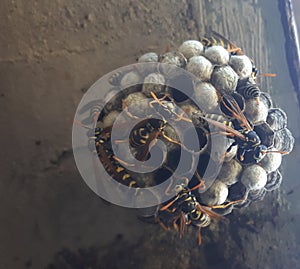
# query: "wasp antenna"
[[278, 151], [267, 75]]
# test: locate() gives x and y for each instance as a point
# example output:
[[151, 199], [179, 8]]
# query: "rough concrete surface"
[[50, 54]]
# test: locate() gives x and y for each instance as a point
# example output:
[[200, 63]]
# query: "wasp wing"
[[232, 106], [225, 127]]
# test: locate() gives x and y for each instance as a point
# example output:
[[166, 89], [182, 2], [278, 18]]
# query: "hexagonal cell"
[[190, 48], [266, 99], [200, 67], [154, 82], [224, 79], [274, 181], [206, 97], [257, 195], [271, 161], [148, 57], [284, 140], [241, 65], [277, 119], [228, 101], [216, 194], [254, 177], [230, 172], [256, 112], [217, 55], [265, 133]]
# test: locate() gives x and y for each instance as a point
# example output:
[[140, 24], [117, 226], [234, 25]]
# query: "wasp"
[[248, 89], [100, 138], [145, 134], [185, 208], [247, 140], [216, 39]]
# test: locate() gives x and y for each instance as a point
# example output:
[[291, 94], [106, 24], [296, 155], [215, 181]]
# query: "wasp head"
[[260, 152]]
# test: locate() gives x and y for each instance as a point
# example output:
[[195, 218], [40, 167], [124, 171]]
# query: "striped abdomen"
[[248, 89], [110, 163]]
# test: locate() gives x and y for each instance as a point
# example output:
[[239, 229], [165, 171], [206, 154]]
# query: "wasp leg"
[[235, 50], [223, 156], [181, 117], [228, 204], [95, 118], [232, 202], [167, 191], [117, 141], [123, 162], [125, 109], [201, 184], [182, 224], [176, 142], [168, 205], [221, 133], [241, 157], [157, 219], [199, 237], [157, 100], [175, 225], [267, 75]]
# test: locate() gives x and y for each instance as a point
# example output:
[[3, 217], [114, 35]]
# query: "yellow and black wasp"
[[100, 140], [216, 39], [250, 149], [111, 163], [185, 210], [145, 134]]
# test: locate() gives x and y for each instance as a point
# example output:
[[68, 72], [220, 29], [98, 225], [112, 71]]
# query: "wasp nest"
[[221, 100]]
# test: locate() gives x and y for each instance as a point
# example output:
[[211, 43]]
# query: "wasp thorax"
[[191, 48], [265, 133]]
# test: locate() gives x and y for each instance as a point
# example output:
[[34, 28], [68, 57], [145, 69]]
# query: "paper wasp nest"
[[226, 92]]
